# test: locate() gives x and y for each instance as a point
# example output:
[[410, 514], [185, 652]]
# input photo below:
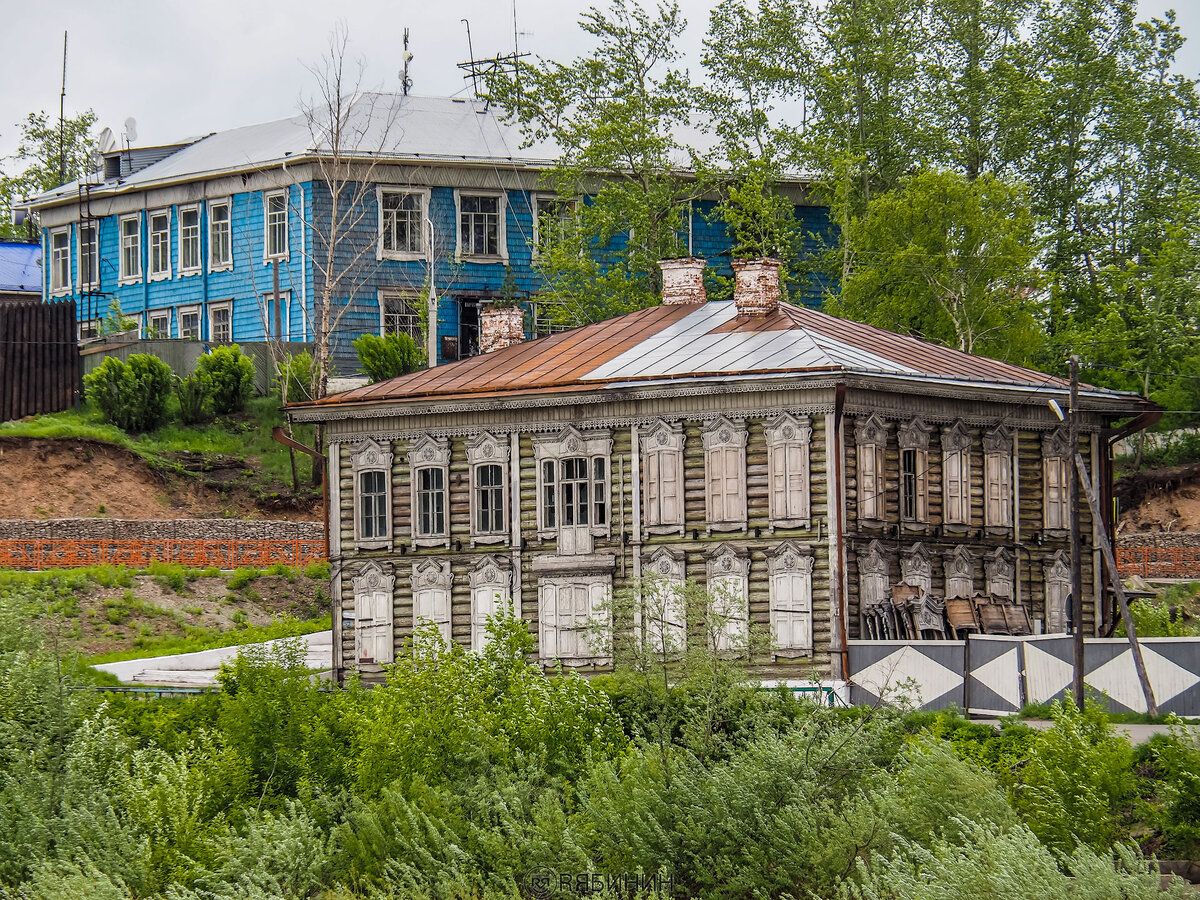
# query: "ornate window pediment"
[[914, 435], [956, 437], [916, 567], [428, 451], [788, 444], [872, 430], [432, 580], [998, 440], [1001, 574], [429, 461], [371, 455], [371, 463], [488, 457], [487, 448], [1056, 444]]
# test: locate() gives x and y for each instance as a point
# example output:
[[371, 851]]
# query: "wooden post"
[[1110, 562], [1076, 540]]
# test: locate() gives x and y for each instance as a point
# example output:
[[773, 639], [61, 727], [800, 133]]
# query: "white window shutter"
[[867, 486], [797, 481], [791, 610], [779, 482], [953, 487], [922, 486], [432, 606], [653, 489], [671, 504], [548, 620], [716, 481]]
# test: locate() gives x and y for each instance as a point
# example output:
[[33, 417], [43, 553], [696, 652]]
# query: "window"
[[916, 568], [131, 248], [220, 322], [159, 327], [401, 224], [914, 463], [88, 329], [553, 219], [89, 256], [276, 225], [189, 323], [371, 464], [728, 619], [1057, 574], [431, 583], [791, 599], [468, 328], [573, 488], [956, 474], [542, 321], [428, 461], [871, 442], [1001, 574], [725, 474], [60, 260], [398, 314], [220, 244], [160, 245], [373, 632], [661, 616], [662, 458], [788, 441], [1056, 474], [481, 225], [491, 594], [573, 621], [998, 478], [960, 574], [488, 457], [189, 239]]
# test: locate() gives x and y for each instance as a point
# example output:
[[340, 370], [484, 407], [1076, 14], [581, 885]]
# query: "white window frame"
[[158, 315], [370, 456], [728, 584], [125, 244], [60, 262], [164, 273], [998, 479], [571, 443], [588, 601], [660, 612], [89, 274], [179, 250], [1057, 466], [422, 250], [285, 254], [486, 449], [725, 492], [663, 477], [181, 313], [413, 299], [956, 475], [959, 566], [789, 442], [374, 633], [86, 329], [214, 308], [215, 264], [1056, 574], [791, 599], [429, 453], [535, 200], [913, 439], [491, 593], [870, 439], [501, 255], [432, 600]]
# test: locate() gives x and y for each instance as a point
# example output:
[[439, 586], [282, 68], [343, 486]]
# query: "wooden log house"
[[802, 462]]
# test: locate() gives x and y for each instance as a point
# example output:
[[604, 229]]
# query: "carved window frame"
[[370, 584], [372, 456], [870, 438], [487, 449], [913, 439], [491, 590], [1056, 575], [728, 574], [789, 443], [663, 497], [429, 453], [791, 598], [959, 566], [725, 449], [998, 476], [664, 613], [956, 476], [874, 575], [1056, 481], [571, 443], [1001, 574], [432, 583], [916, 567]]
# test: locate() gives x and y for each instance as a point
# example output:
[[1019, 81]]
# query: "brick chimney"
[[500, 327], [682, 281], [756, 286]]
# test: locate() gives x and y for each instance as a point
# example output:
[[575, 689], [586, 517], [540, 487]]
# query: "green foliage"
[[242, 577], [296, 377], [131, 395], [318, 571], [1154, 618], [388, 356], [227, 376], [193, 400], [46, 158], [116, 322], [1175, 762]]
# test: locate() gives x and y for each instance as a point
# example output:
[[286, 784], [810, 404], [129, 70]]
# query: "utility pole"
[[62, 127], [1076, 539]]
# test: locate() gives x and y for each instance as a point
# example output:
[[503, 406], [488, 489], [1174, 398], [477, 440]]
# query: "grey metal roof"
[[20, 267]]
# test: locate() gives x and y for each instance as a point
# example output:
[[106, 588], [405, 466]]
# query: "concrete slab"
[[1136, 734]]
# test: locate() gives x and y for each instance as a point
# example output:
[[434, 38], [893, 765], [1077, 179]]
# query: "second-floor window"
[[662, 456], [160, 245], [131, 248], [398, 314], [371, 464], [956, 475], [89, 256], [480, 225], [372, 504], [401, 223], [573, 488], [788, 441], [276, 225], [488, 457], [429, 460], [189, 239], [1056, 479], [725, 474], [871, 447], [998, 478], [914, 463], [60, 260], [220, 250]]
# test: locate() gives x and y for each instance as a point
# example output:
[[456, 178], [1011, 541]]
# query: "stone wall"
[[1159, 554]]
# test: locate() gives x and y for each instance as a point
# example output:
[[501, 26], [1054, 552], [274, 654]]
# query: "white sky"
[[189, 68]]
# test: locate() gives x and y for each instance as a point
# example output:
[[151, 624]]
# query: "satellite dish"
[[131, 129], [105, 141]]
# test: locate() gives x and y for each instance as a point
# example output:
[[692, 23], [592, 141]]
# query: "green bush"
[[228, 378], [386, 357], [192, 400], [242, 577], [131, 395], [297, 373]]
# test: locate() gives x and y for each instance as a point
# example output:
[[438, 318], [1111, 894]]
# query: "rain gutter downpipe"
[[839, 653]]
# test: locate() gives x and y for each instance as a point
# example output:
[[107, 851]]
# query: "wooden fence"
[[68, 553], [39, 358]]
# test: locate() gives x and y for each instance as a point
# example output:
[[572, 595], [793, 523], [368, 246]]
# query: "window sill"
[[998, 530], [268, 260], [726, 526], [665, 528], [131, 279], [432, 541], [161, 276], [224, 267], [914, 527], [581, 563], [806, 524], [373, 544], [188, 273], [956, 528], [485, 259], [403, 256], [498, 538], [61, 292]]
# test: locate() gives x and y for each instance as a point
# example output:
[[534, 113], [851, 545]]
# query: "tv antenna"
[[62, 122], [405, 81]]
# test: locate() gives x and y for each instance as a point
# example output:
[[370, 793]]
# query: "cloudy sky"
[[189, 68]]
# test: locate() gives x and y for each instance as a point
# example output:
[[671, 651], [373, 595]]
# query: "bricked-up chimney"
[[500, 327], [756, 286], [682, 281]]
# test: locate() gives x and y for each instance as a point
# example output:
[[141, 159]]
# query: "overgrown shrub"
[[131, 395], [228, 378], [193, 400], [386, 357], [296, 372]]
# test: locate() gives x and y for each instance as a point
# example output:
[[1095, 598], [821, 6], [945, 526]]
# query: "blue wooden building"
[[187, 238]]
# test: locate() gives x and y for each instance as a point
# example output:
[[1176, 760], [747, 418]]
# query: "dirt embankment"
[[64, 478], [1160, 500]]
